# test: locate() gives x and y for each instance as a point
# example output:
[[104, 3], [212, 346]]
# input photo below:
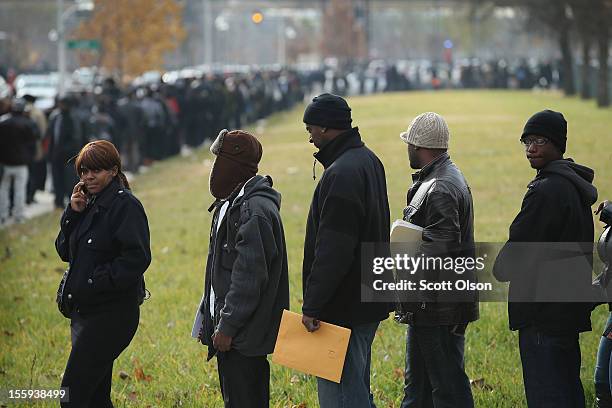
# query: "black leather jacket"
[[447, 216]]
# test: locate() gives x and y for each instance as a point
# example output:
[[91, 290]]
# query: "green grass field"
[[167, 368]]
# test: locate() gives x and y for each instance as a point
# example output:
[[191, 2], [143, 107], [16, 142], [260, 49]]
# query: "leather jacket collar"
[[431, 167]]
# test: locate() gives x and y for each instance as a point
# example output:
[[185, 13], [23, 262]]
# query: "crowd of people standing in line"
[[153, 121], [359, 79], [246, 284], [146, 123]]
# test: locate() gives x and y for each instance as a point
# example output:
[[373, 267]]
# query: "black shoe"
[[603, 399]]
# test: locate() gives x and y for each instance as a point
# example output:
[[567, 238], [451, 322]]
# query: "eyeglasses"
[[538, 141]]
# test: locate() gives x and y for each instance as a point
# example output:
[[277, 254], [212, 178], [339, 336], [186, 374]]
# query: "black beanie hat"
[[328, 110], [549, 124]]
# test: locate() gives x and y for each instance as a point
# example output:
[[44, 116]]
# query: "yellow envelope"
[[320, 353]]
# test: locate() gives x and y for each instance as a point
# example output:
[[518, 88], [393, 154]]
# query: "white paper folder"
[[404, 231], [320, 353]]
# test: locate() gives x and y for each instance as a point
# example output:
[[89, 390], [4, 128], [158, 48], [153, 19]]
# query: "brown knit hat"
[[238, 154]]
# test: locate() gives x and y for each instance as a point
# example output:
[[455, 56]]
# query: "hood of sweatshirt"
[[261, 186], [580, 176]]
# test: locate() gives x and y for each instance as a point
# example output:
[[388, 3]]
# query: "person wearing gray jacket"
[[246, 281]]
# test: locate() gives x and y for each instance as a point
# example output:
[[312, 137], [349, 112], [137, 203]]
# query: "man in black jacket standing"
[[65, 135], [18, 136], [246, 282], [349, 207], [555, 209], [439, 201]]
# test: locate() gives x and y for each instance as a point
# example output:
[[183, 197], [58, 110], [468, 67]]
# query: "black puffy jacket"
[[18, 136], [349, 207]]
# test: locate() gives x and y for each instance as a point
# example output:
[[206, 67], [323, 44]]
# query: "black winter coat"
[[556, 208], [247, 268], [18, 136], [349, 207], [447, 218], [108, 250], [67, 143]]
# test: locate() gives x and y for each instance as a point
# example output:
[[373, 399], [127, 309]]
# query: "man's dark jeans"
[[244, 380], [435, 374], [551, 369], [353, 391], [64, 178]]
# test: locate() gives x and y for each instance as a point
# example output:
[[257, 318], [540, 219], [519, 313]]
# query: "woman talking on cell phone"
[[104, 237]]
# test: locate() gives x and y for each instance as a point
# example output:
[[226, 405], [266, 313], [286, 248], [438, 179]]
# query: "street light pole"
[[61, 48], [208, 30], [282, 42]]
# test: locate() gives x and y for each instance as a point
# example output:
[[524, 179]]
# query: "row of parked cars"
[[44, 86]]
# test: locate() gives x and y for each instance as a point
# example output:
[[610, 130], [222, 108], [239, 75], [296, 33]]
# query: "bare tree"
[[343, 37], [556, 16], [603, 44], [584, 17], [592, 21]]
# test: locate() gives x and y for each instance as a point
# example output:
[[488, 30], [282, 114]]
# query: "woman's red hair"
[[100, 155]]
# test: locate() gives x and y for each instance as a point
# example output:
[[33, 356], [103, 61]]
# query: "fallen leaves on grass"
[[123, 375], [7, 253], [139, 373], [398, 373], [480, 384]]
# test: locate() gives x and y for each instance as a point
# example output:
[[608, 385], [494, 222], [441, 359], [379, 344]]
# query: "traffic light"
[[257, 17]]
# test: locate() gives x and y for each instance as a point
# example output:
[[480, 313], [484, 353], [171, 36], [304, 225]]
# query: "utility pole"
[[61, 48], [208, 31], [281, 55]]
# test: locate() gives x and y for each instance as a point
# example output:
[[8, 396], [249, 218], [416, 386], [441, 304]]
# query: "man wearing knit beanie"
[[325, 117], [549, 126], [246, 281], [349, 207], [555, 208], [440, 202], [427, 137]]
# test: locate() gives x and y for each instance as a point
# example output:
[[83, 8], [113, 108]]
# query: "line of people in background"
[[381, 76], [153, 122], [147, 124]]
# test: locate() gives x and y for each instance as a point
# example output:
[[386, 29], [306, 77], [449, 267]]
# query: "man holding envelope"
[[349, 207], [246, 282]]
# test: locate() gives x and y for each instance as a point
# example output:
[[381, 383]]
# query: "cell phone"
[[84, 190]]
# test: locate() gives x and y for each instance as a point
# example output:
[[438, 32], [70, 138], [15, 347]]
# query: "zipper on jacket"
[[314, 163]]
